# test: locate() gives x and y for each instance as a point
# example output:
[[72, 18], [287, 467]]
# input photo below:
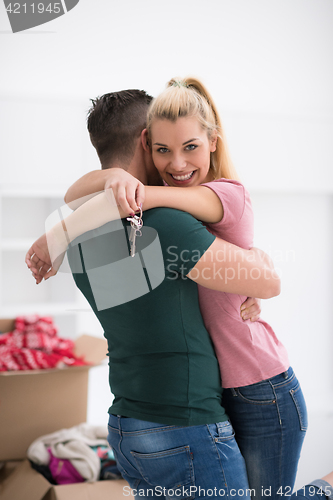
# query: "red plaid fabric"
[[34, 345]]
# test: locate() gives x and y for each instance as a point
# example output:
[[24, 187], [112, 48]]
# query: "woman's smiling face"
[[181, 151]]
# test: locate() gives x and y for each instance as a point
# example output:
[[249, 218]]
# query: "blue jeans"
[[270, 421], [169, 461]]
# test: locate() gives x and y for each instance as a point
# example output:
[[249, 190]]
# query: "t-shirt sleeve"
[[232, 196], [183, 240], [236, 225]]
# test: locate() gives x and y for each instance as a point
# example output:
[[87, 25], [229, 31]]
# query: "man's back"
[[162, 363]]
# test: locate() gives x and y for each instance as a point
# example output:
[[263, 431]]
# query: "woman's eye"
[[162, 150], [191, 147]]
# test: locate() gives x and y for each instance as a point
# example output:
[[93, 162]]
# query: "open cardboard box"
[[24, 483], [38, 402]]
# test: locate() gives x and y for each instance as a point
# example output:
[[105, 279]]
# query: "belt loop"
[[119, 424], [233, 391]]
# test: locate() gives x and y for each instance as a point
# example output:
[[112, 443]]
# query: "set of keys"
[[136, 225]]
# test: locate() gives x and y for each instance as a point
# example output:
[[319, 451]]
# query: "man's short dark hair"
[[115, 121]]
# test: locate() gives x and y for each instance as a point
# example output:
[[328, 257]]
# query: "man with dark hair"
[[115, 123], [115, 120]]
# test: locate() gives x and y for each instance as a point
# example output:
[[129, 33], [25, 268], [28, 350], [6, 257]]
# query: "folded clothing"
[[74, 445], [34, 345]]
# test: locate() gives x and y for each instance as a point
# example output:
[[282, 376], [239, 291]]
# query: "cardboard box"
[[38, 402], [6, 468], [27, 484]]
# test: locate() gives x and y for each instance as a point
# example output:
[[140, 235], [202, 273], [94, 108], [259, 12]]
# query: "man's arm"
[[227, 268]]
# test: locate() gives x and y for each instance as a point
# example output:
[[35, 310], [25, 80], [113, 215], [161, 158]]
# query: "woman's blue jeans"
[[173, 462], [270, 421]]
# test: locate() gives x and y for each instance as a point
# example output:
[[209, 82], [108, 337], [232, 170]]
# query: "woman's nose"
[[178, 162]]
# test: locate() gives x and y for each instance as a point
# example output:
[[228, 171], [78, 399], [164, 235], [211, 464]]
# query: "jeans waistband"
[[277, 379]]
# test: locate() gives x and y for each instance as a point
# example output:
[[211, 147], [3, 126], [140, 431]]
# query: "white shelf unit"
[[23, 211]]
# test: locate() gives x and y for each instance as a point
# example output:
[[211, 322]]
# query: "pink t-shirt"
[[248, 352]]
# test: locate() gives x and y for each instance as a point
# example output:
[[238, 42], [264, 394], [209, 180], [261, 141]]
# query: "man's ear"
[[145, 141]]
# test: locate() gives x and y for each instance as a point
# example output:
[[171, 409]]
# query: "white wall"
[[268, 64]]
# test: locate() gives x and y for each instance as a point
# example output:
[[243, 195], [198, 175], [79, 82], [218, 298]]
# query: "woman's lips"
[[182, 177]]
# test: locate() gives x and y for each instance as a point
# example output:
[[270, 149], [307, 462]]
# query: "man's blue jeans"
[[270, 421], [173, 462]]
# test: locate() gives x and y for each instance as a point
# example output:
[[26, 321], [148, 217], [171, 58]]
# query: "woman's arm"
[[127, 189], [129, 192], [224, 267], [46, 254], [227, 268], [48, 251], [199, 201], [86, 187]]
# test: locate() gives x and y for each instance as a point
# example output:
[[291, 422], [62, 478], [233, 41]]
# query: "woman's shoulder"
[[227, 182], [230, 189], [235, 200]]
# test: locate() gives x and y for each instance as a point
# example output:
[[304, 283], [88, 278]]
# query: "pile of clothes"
[[34, 345], [74, 455]]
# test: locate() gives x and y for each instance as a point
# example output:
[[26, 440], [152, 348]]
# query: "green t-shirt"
[[162, 363]]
